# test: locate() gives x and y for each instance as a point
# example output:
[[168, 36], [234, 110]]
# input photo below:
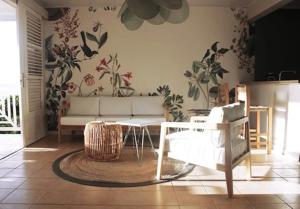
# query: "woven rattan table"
[[103, 141]]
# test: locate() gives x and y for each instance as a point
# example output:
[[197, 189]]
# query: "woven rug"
[[125, 172]]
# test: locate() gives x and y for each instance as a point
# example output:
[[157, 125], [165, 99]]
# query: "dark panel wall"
[[277, 44]]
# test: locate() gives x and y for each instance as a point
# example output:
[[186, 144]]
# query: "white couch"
[[109, 109]]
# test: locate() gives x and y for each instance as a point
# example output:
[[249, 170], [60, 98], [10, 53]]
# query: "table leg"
[[126, 135], [136, 144], [143, 135], [150, 140]]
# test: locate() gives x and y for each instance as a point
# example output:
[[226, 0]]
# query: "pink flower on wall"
[[71, 87], [120, 82], [89, 80]]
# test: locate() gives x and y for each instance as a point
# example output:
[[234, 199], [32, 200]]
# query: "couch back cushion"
[[84, 106], [147, 105], [115, 106], [222, 114]]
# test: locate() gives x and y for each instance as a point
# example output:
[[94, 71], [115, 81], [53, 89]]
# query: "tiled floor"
[[9, 143], [27, 181]]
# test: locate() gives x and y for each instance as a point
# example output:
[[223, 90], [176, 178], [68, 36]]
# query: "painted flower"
[[71, 87], [100, 89], [103, 62], [89, 80], [127, 75]]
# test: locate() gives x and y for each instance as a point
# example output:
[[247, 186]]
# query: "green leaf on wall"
[[214, 47], [102, 40], [92, 37]]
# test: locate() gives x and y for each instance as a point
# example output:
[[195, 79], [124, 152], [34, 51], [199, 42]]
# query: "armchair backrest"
[[227, 113]]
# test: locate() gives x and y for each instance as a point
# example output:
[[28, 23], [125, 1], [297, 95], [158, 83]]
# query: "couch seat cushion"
[[155, 118], [76, 120], [114, 118], [84, 106]]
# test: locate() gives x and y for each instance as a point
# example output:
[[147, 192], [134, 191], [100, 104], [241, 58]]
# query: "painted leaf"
[[188, 74], [145, 9], [68, 76], [196, 67], [91, 37], [206, 54], [196, 94], [122, 9], [214, 47], [77, 66], [223, 50], [102, 40], [169, 4]]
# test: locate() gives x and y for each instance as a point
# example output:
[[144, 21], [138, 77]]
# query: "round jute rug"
[[128, 171]]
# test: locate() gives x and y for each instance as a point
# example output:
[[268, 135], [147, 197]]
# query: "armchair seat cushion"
[[197, 148], [76, 120]]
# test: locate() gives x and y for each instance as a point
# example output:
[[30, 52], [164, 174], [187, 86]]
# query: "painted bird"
[[85, 48]]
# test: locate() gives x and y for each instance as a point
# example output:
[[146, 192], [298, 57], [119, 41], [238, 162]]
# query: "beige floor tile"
[[271, 206], [234, 206], [57, 197], [261, 199], [186, 198], [4, 193], [14, 206], [122, 207], [4, 171], [199, 206], [191, 189], [294, 180], [217, 187], [290, 198], [24, 196], [144, 198], [10, 183], [295, 206], [237, 199], [287, 172], [19, 173], [10, 164], [50, 207]]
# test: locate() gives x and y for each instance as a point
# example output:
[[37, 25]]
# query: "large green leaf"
[[196, 94], [68, 76], [169, 4], [130, 20], [206, 55], [102, 40], [144, 9], [223, 50], [214, 47], [91, 37]]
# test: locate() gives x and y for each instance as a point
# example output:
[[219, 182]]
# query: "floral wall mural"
[[90, 53]]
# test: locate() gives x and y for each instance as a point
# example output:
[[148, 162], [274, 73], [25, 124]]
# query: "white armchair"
[[219, 141]]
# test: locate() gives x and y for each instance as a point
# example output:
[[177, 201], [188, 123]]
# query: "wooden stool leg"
[[258, 129], [269, 131]]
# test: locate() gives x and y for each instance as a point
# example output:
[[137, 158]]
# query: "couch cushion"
[[76, 120], [115, 106], [84, 106], [147, 105], [157, 118], [114, 118]]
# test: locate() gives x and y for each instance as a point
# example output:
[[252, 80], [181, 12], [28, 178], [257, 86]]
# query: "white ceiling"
[[68, 3], [7, 12]]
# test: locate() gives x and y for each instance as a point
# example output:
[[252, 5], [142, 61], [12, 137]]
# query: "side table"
[[142, 124]]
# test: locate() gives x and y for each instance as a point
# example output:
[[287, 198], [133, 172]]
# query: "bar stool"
[[256, 134]]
